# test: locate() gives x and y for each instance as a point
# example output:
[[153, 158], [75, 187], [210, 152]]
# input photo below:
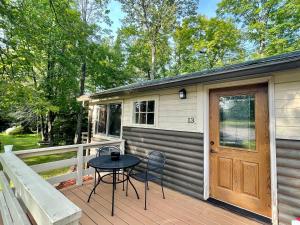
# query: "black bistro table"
[[105, 163]]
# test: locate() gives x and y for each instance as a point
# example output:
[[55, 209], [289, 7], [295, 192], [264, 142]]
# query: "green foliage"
[[43, 46], [203, 43], [271, 26], [151, 23]]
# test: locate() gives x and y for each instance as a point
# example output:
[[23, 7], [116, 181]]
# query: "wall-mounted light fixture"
[[182, 94]]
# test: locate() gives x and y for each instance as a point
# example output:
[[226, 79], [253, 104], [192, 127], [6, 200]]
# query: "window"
[[109, 119], [144, 112]]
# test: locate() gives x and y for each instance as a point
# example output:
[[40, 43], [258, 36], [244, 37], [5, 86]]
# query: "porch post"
[[79, 165]]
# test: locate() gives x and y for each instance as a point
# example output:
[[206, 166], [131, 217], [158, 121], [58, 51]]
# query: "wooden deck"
[[175, 209]]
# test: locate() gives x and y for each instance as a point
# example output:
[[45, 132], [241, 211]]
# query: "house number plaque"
[[191, 120]]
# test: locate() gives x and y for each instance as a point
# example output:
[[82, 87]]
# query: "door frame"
[[272, 134]]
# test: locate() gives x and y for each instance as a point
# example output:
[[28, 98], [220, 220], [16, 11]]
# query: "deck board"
[[176, 209]]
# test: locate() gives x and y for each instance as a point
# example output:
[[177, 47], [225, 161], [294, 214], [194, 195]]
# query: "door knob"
[[213, 151]]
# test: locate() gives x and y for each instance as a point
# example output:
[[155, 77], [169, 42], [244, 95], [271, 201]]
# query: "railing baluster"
[[79, 165]]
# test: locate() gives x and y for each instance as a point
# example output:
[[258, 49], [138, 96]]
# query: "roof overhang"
[[83, 98]]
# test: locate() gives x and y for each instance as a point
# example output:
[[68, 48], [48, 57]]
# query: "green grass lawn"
[[30, 141], [20, 142]]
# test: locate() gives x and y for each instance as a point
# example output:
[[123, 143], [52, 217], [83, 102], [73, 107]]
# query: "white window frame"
[[156, 106], [106, 135]]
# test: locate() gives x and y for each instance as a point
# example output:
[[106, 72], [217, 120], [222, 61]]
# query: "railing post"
[[79, 165], [122, 147]]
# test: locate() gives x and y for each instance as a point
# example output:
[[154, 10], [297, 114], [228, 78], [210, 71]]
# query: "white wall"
[[172, 113], [287, 104]]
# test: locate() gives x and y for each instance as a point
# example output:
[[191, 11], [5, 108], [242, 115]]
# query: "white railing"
[[80, 161], [46, 204]]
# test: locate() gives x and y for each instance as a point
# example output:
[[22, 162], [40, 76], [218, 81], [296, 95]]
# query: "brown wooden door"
[[239, 147]]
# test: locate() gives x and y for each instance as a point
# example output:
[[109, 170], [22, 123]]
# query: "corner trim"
[[272, 133]]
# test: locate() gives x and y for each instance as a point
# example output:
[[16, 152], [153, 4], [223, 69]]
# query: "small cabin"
[[231, 135]]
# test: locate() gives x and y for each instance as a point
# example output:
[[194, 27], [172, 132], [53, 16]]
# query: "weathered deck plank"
[[176, 209]]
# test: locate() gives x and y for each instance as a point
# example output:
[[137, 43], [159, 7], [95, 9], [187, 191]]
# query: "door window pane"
[[115, 111], [237, 121]]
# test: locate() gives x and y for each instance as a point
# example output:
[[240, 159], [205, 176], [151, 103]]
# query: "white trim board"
[[272, 133]]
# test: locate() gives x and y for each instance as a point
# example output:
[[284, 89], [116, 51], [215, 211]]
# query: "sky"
[[206, 7]]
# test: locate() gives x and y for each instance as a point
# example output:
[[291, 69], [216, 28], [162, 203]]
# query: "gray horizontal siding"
[[184, 153], [288, 172]]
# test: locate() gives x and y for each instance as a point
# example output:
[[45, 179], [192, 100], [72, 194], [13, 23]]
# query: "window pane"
[[115, 119], [101, 123], [150, 106], [143, 106], [137, 118], [150, 118], [143, 118], [237, 121], [137, 106]]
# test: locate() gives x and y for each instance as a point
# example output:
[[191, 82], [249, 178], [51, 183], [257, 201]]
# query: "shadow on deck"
[[175, 209]]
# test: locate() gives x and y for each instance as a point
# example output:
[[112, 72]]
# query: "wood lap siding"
[[288, 167], [287, 104], [184, 153]]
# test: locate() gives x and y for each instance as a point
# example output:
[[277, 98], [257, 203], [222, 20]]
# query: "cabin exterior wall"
[[182, 140]]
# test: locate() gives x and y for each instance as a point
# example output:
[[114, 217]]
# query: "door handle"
[[213, 151]]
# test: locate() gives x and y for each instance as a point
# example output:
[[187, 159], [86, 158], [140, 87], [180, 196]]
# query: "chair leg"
[[162, 188], [123, 180], [127, 187], [146, 182], [95, 182]]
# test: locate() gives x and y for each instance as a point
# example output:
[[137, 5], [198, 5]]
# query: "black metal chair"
[[106, 150], [154, 171]]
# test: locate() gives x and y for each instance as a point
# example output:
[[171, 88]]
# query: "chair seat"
[[141, 176]]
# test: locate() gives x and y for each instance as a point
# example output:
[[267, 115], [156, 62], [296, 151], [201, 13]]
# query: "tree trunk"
[[51, 117], [43, 128], [80, 113], [153, 61]]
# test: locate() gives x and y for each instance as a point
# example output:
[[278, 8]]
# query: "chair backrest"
[[156, 162], [106, 150]]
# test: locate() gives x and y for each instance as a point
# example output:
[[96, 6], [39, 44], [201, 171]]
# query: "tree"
[[41, 57], [136, 50], [155, 20], [202, 43], [271, 26], [92, 12]]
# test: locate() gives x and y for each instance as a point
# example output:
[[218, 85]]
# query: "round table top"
[[105, 162]]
